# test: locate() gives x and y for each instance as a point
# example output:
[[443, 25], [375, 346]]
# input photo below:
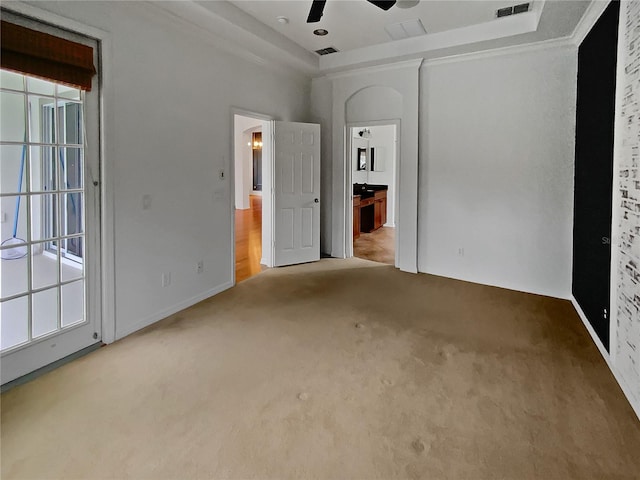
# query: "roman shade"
[[42, 55]]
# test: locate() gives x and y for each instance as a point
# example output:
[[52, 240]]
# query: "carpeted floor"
[[335, 370]]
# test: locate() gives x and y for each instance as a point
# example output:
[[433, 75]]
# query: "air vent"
[[326, 51], [409, 28], [505, 12], [523, 7]]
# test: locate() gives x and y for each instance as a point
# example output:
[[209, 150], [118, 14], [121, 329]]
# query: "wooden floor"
[[249, 239], [377, 246]]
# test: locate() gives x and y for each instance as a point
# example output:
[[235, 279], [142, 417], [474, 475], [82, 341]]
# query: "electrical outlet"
[[461, 252], [200, 267], [146, 202], [166, 279]]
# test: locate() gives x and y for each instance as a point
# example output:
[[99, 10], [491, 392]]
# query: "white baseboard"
[[635, 403], [162, 314], [515, 288]]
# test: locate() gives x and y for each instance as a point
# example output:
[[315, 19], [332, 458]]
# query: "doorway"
[[593, 190], [251, 146], [50, 228], [373, 156]]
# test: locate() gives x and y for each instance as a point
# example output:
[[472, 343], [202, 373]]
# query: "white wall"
[[243, 160], [496, 170], [322, 113], [171, 133]]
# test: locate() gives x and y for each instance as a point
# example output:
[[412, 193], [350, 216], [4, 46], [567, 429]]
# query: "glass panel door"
[[45, 299]]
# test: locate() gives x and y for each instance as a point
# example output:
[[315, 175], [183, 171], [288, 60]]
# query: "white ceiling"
[[357, 23], [249, 28]]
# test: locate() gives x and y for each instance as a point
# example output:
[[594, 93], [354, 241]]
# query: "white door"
[[296, 188], [49, 251]]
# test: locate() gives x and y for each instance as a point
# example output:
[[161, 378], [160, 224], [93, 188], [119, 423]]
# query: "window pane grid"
[[53, 239], [41, 192], [27, 167], [42, 289], [53, 119], [40, 144]]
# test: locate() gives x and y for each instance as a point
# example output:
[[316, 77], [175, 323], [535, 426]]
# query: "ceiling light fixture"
[[282, 20], [407, 3], [321, 32]]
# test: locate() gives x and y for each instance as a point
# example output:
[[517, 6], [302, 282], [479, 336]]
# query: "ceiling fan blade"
[[315, 14], [383, 4]]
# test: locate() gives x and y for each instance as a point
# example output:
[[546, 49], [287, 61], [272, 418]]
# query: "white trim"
[[162, 314], [618, 153], [562, 42], [45, 16], [231, 178], [511, 286], [538, 8], [423, 44], [105, 52], [635, 403], [588, 20], [348, 215], [232, 30], [374, 69], [107, 190]]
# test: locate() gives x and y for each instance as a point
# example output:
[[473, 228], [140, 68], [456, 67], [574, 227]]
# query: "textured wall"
[[496, 170], [626, 227]]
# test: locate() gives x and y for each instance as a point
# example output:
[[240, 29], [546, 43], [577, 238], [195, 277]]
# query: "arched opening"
[[371, 173]]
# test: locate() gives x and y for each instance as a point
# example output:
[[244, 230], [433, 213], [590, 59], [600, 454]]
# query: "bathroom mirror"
[[377, 159], [362, 159]]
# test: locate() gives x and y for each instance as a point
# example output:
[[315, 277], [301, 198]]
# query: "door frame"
[[267, 194], [105, 252], [348, 215]]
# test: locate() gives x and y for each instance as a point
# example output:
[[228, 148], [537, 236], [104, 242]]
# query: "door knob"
[[316, 200]]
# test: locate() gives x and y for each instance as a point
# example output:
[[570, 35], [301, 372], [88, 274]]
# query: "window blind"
[[43, 55]]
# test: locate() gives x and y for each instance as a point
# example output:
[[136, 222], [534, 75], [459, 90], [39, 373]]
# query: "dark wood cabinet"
[[369, 213]]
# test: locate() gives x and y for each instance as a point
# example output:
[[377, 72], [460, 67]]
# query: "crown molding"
[[414, 63], [45, 16], [588, 20], [421, 45], [238, 33], [562, 42]]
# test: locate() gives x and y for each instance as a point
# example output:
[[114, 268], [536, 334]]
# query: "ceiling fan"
[[317, 8]]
